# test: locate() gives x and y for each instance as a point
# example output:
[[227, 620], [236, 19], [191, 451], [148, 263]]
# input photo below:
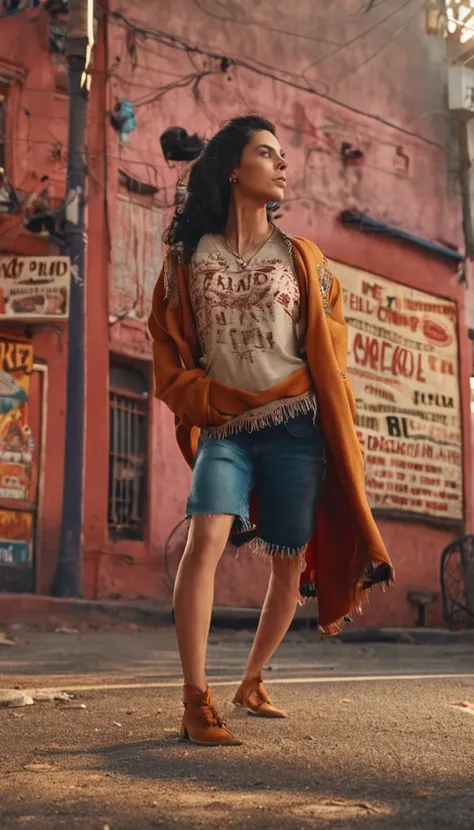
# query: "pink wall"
[[402, 180], [37, 126], [37, 108]]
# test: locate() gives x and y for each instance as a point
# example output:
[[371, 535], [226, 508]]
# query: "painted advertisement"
[[34, 287], [17, 480], [403, 364], [16, 538]]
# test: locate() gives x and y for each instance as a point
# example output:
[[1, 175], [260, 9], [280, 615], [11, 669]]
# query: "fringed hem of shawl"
[[272, 414], [377, 575]]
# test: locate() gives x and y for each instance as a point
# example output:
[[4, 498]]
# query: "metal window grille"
[[128, 464]]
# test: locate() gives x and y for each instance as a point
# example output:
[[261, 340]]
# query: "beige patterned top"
[[247, 315]]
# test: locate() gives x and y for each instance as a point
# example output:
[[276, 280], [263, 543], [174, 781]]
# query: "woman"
[[250, 354]]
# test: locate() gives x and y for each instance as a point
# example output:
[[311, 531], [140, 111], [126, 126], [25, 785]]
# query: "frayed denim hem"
[[267, 551]]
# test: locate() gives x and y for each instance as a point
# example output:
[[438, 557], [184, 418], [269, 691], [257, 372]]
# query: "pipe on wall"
[[368, 225]]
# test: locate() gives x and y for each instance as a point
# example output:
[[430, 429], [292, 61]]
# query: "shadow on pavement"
[[188, 786]]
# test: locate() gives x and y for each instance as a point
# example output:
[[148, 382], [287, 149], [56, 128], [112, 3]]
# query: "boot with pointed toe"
[[253, 696], [202, 723]]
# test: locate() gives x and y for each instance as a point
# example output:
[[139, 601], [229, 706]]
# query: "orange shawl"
[[346, 556]]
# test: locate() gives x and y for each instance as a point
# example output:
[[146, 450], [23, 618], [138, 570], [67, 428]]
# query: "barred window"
[[128, 451]]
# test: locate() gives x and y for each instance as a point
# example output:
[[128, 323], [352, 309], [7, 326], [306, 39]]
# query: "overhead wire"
[[383, 46], [177, 42], [193, 78], [130, 160], [19, 139], [375, 6], [356, 38], [160, 171], [197, 92], [171, 41], [182, 44], [163, 72], [264, 26]]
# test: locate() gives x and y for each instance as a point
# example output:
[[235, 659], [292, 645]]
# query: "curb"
[[238, 618], [409, 636], [47, 613]]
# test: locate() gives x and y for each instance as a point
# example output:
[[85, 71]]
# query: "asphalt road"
[[376, 737]]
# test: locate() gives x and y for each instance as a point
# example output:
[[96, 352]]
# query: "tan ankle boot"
[[253, 696], [202, 723]]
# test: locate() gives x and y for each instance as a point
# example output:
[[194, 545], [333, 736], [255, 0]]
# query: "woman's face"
[[261, 175]]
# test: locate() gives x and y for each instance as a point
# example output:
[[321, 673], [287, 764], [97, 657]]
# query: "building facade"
[[374, 181], [34, 304]]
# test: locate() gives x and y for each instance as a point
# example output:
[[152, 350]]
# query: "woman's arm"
[[184, 391]]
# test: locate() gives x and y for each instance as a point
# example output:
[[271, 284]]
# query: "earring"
[[234, 179]]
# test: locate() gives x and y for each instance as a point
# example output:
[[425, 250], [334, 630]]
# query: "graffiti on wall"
[[16, 537], [403, 363], [16, 440]]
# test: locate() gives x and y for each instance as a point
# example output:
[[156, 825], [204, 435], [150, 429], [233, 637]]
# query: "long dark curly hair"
[[206, 207]]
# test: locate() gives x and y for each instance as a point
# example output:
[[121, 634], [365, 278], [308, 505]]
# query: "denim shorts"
[[282, 465]]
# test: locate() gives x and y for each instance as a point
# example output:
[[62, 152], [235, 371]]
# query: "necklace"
[[239, 259]]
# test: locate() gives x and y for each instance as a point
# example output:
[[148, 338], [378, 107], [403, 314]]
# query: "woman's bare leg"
[[277, 612], [194, 592]]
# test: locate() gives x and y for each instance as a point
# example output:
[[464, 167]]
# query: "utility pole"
[[68, 577]]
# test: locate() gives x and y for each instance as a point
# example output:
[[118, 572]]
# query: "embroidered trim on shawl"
[[325, 285], [289, 243], [173, 257], [324, 274], [272, 414]]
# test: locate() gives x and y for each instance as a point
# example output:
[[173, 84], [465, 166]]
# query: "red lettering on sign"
[[382, 356], [394, 318], [373, 289]]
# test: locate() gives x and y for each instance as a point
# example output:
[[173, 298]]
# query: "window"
[[128, 451]]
